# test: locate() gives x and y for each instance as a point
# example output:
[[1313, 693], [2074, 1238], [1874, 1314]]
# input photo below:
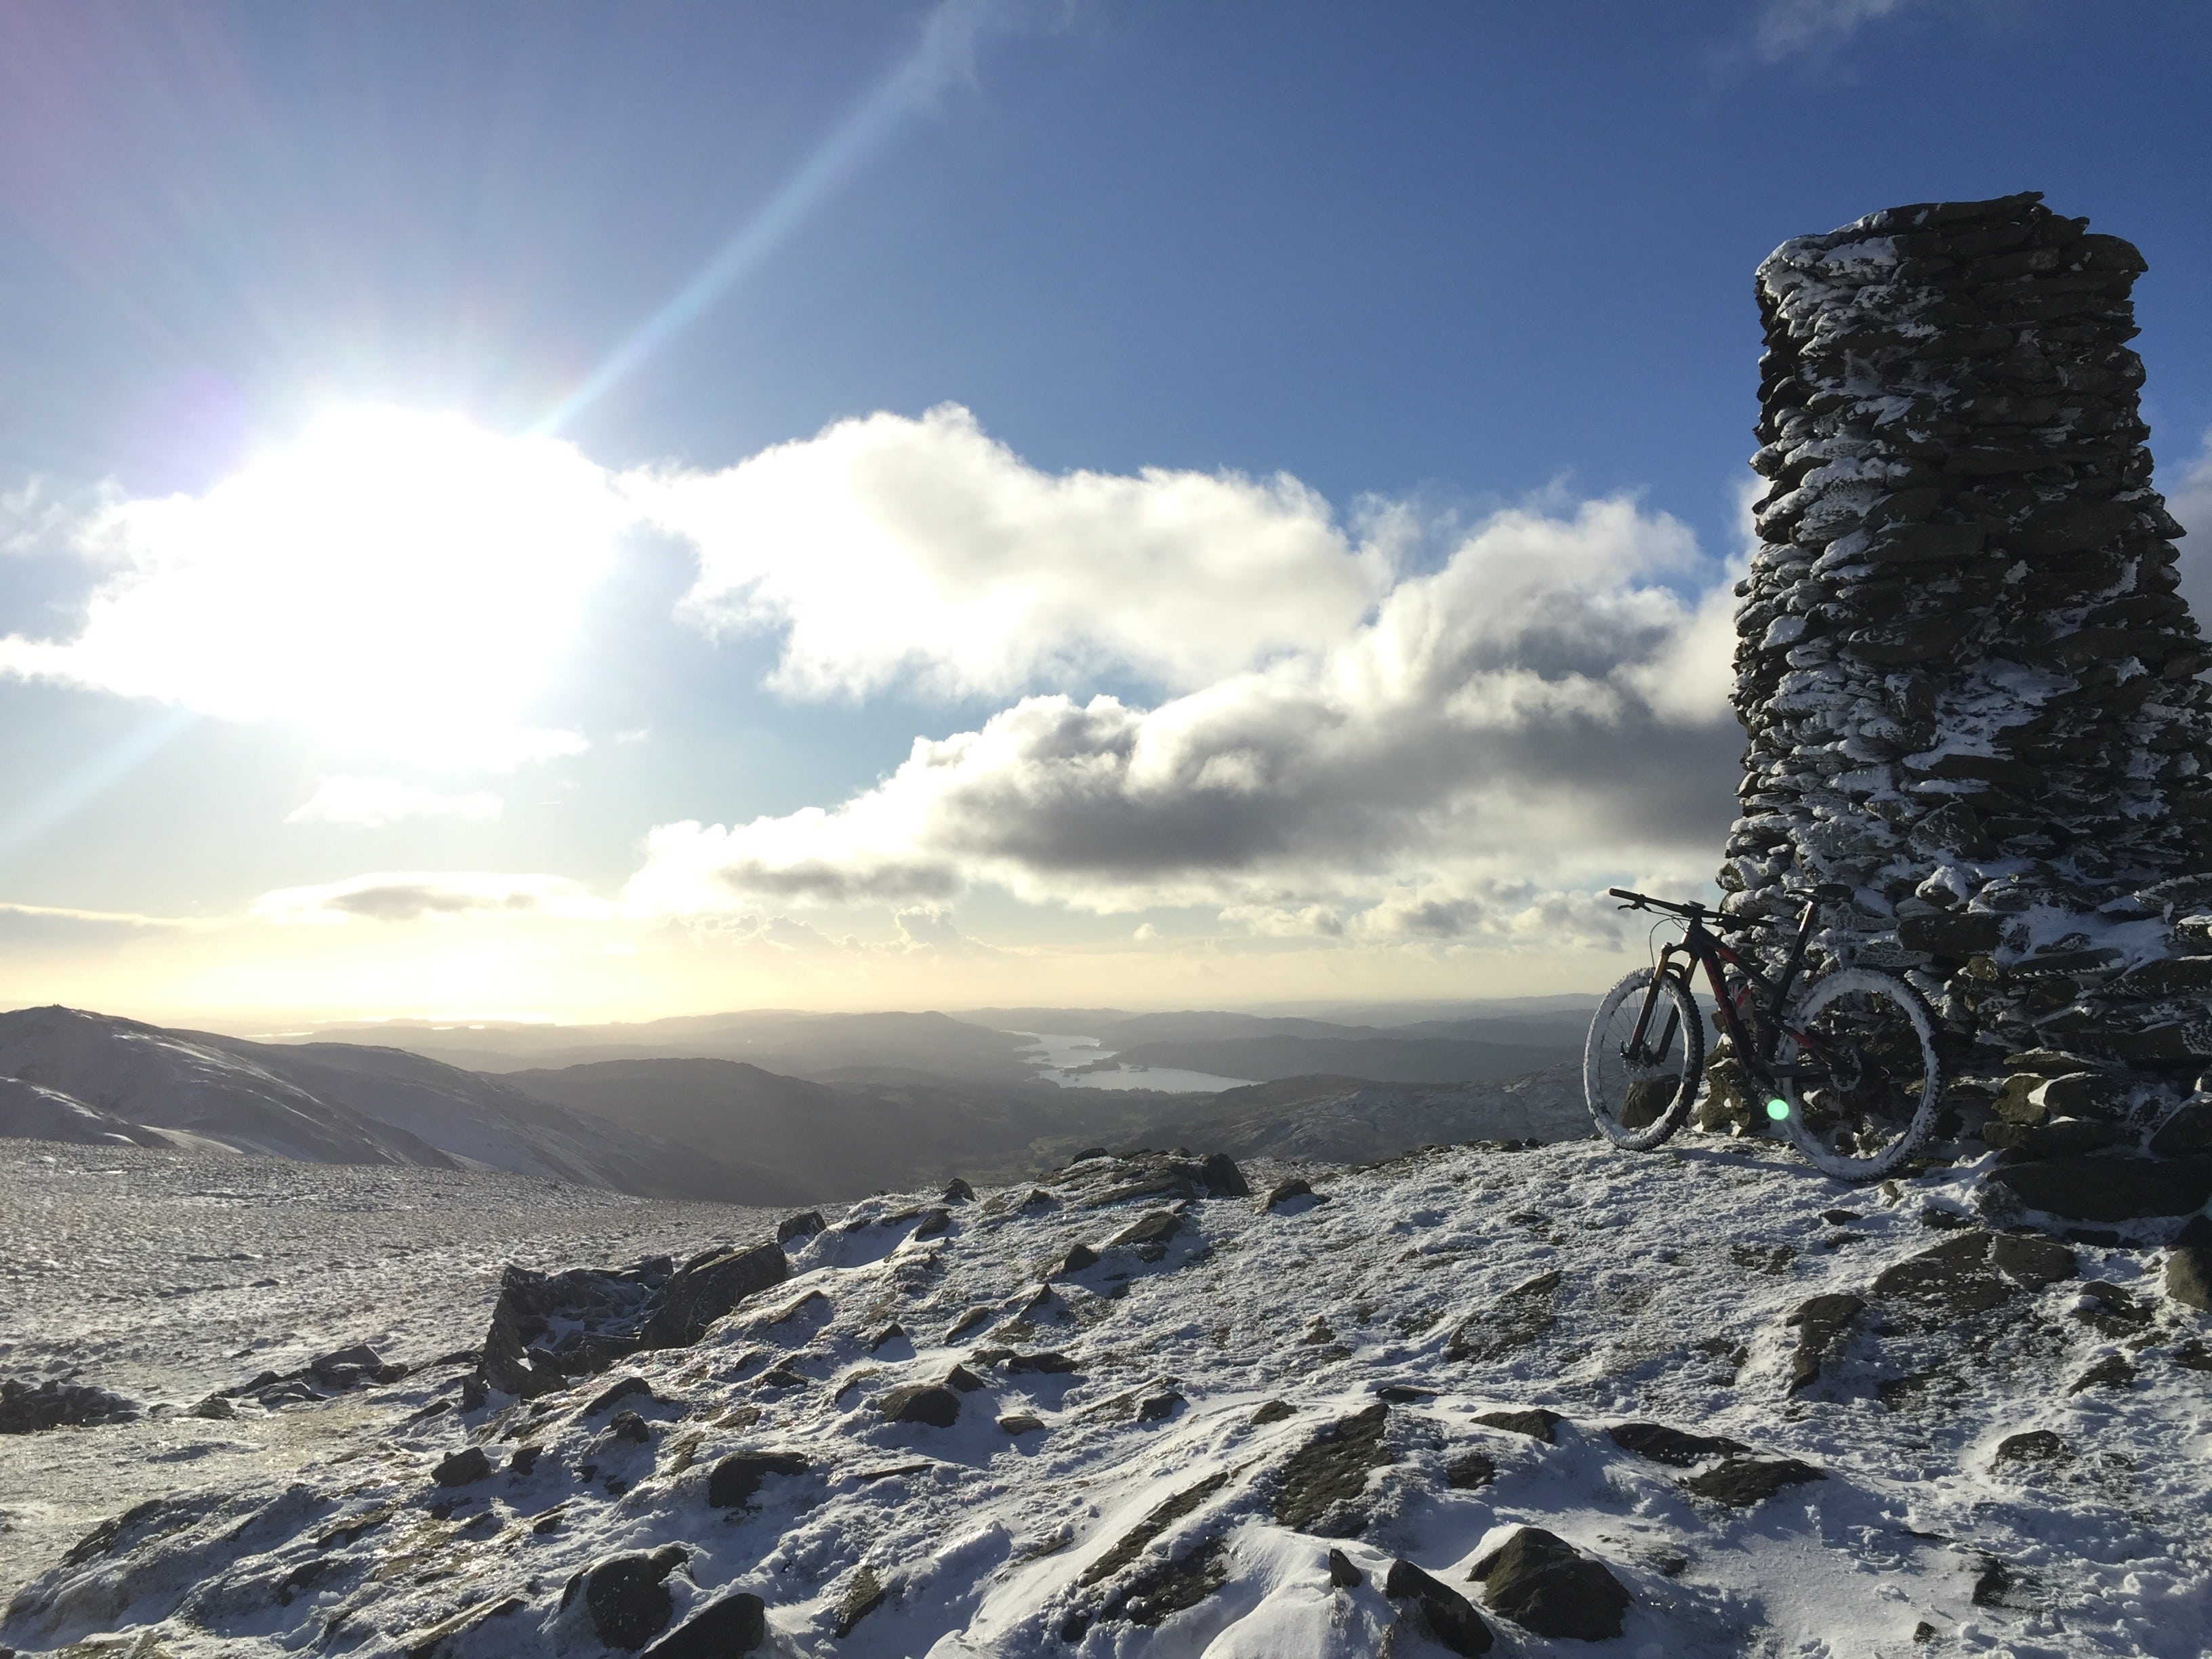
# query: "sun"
[[398, 582]]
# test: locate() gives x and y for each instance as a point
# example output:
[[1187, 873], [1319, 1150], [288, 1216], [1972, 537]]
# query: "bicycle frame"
[[1697, 947]]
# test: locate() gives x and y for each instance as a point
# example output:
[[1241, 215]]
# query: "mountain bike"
[[1847, 1066]]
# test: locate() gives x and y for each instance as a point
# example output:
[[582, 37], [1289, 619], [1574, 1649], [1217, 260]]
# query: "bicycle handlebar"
[[1692, 911]]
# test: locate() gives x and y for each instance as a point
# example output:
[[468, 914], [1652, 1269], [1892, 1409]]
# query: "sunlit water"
[[1061, 1058]]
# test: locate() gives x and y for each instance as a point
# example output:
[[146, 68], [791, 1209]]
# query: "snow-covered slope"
[[28, 1112], [340, 1104], [1782, 1417]]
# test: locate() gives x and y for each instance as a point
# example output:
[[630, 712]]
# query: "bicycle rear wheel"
[[1639, 1094], [1870, 1081]]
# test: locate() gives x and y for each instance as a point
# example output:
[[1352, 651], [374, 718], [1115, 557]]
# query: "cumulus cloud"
[[1545, 700], [888, 548], [398, 583], [410, 896], [371, 803]]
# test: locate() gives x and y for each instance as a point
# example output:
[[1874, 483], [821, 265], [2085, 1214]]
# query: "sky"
[[573, 512]]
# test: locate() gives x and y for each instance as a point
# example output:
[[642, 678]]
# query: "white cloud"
[[400, 584], [373, 802], [1788, 26], [1544, 703], [414, 896], [2191, 505], [887, 548]]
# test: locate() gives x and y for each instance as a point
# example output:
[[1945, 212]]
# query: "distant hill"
[[327, 1104], [1379, 1059], [827, 1142], [821, 1046]]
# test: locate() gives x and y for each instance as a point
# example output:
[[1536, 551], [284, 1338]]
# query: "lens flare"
[[1777, 1109]]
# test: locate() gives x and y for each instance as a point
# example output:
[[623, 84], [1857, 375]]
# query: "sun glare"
[[398, 582]]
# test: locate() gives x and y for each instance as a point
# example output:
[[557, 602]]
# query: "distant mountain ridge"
[[330, 1104]]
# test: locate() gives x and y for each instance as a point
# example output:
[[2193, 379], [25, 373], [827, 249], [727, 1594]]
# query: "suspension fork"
[[1638, 1052]]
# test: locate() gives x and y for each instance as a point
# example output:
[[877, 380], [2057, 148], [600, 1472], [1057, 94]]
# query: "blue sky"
[[1361, 278]]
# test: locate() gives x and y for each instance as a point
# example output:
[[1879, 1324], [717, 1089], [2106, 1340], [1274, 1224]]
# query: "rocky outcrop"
[[26, 1408], [549, 1329], [1969, 684]]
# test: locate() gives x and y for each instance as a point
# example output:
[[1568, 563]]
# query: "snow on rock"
[[1477, 1398], [1970, 689]]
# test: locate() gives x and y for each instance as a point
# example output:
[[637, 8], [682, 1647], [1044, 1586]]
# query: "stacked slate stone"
[[1969, 687]]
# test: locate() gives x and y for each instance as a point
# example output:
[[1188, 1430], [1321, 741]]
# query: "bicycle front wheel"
[[1868, 1081], [1639, 1083]]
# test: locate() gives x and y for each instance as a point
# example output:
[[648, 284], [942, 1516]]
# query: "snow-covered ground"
[[2004, 1450], [166, 1276]]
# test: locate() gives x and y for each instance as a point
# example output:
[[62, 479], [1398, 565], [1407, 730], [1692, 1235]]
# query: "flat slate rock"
[[1744, 1482], [1678, 1447], [732, 1625], [1545, 1585], [1536, 1422], [1331, 1470], [2110, 1189]]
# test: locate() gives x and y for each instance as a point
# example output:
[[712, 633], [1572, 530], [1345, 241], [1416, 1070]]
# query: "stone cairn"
[[1970, 687]]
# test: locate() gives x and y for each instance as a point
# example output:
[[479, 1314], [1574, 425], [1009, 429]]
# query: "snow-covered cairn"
[[1970, 686]]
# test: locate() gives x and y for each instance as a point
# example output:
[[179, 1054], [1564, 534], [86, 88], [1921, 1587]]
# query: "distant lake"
[[1066, 1060]]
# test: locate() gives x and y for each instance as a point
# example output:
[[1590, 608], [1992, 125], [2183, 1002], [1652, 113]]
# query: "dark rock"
[[461, 1468], [2114, 1370], [962, 1378], [937, 1406], [354, 1367], [727, 1625], [2109, 1188], [607, 1314], [862, 1596], [612, 1395], [1544, 1585], [957, 1191], [1021, 1423], [1950, 933], [1168, 1587], [1087, 1154], [2035, 1446], [1223, 1178], [1742, 1482], [1470, 1471], [734, 1480], [1294, 1187], [1156, 1228], [1077, 1258], [805, 1225], [216, 1407], [2031, 1259], [1158, 1407], [1821, 1323], [1273, 1411], [893, 1332], [24, 1409], [933, 1222], [966, 1322], [628, 1596], [1134, 1543], [1400, 1393], [1536, 1423], [1342, 1575], [1046, 1362], [1518, 1318], [1948, 1280], [2187, 1133], [1450, 1617], [1330, 1471], [628, 1425], [523, 1459], [2188, 1276], [1676, 1446]]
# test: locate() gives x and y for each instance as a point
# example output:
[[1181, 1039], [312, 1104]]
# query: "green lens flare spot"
[[1777, 1109]]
